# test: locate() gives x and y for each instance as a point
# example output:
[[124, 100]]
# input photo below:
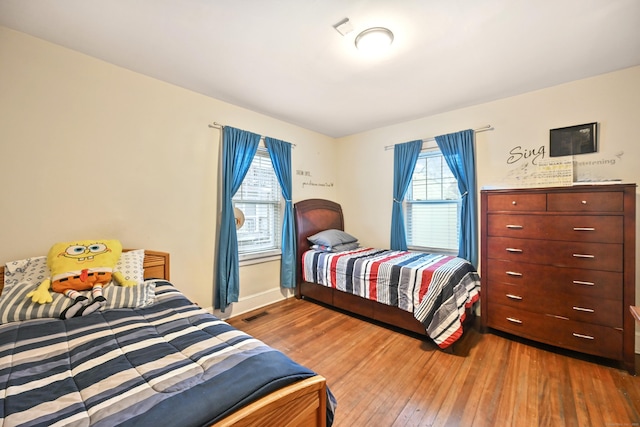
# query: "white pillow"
[[331, 237], [131, 265]]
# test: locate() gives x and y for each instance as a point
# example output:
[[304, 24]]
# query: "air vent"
[[255, 316]]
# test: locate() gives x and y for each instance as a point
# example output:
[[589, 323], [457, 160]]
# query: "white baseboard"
[[252, 302]]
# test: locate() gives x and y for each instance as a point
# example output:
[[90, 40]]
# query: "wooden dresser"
[[558, 266]]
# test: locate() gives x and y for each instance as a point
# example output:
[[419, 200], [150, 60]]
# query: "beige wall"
[[94, 150], [612, 100]]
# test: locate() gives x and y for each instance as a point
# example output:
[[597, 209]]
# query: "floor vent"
[[255, 316]]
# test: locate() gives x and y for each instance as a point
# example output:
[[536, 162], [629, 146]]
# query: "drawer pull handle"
[[580, 282], [588, 310], [516, 297], [586, 337], [514, 273], [514, 250], [558, 317], [514, 227], [584, 202], [514, 203], [512, 320], [583, 256], [584, 229]]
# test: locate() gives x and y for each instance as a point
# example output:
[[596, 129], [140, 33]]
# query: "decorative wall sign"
[[544, 173], [598, 169], [317, 184], [310, 182], [520, 154], [573, 140]]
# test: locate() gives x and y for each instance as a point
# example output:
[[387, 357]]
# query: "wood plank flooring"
[[382, 377]]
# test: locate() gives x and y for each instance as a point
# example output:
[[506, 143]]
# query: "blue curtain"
[[238, 149], [459, 152], [405, 157], [280, 153]]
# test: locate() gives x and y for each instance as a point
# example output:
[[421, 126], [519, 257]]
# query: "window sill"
[[259, 257], [433, 250]]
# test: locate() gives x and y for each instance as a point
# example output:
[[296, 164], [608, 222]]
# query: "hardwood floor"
[[381, 377]]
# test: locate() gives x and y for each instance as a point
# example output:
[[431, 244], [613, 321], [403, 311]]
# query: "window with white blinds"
[[433, 206], [259, 199]]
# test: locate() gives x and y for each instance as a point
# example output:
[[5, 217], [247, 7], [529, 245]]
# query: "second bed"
[[429, 294]]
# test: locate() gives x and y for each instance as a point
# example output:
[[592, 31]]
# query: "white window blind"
[[433, 205], [259, 199]]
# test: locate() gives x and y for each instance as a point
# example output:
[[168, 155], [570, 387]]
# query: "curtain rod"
[[433, 138], [216, 125]]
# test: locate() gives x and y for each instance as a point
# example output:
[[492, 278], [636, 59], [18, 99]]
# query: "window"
[[433, 205], [259, 199]]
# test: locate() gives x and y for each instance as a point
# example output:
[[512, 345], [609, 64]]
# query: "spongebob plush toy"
[[80, 266]]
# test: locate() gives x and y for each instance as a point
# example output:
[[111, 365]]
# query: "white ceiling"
[[283, 58]]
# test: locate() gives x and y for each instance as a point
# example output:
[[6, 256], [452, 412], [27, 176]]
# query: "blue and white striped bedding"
[[171, 363]]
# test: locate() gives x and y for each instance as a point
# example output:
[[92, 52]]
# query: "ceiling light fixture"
[[374, 39]]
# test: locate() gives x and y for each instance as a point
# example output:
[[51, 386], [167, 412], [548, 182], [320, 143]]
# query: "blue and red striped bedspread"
[[436, 288]]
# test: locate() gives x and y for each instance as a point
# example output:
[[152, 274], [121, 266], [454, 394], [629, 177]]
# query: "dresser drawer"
[[593, 256], [577, 228], [516, 202], [609, 201], [580, 308], [584, 337], [562, 282]]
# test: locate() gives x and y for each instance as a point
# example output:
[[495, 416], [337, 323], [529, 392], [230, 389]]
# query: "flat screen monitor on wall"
[[573, 140]]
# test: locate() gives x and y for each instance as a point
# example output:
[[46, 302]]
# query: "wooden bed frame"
[[314, 215], [300, 404]]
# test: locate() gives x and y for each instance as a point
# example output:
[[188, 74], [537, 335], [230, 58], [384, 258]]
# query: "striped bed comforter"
[[168, 364], [435, 288]]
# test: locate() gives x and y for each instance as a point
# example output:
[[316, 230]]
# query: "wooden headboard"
[[156, 266], [312, 216]]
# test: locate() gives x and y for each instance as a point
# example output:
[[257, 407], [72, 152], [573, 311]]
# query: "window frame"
[[272, 253], [432, 151]]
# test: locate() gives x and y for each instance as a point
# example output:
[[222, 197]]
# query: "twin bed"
[[143, 362], [427, 294]]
